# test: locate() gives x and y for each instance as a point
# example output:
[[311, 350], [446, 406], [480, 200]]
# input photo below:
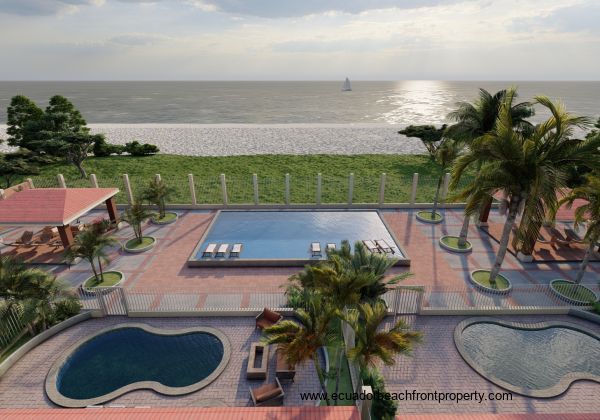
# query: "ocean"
[[402, 102]]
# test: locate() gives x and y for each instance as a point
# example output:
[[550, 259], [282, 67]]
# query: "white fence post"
[[30, 182], [350, 188], [224, 189], [319, 189], [158, 178], [287, 189], [61, 181], [93, 181], [413, 193], [382, 189], [446, 184], [192, 189], [128, 190], [255, 188]]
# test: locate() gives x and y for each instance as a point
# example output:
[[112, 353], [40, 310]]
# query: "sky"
[[299, 39]]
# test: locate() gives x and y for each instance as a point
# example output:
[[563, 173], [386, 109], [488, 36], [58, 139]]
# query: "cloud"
[[41, 7], [583, 17], [137, 39]]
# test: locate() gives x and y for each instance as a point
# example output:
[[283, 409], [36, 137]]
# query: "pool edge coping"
[[556, 390], [57, 398]]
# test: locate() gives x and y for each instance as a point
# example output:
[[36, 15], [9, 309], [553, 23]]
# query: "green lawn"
[[110, 279], [345, 380], [452, 241], [169, 216], [271, 170], [137, 244], [483, 278]]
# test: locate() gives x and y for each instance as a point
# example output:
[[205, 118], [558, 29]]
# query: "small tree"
[[157, 192], [13, 166], [75, 147], [90, 245], [20, 111], [136, 215]]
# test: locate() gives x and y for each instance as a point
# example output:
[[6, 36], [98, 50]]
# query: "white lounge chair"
[[371, 246], [209, 251], [331, 246], [315, 249], [235, 250], [384, 246], [222, 250]]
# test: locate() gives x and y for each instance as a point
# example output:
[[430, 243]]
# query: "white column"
[[128, 190], [30, 182], [446, 184], [255, 188], [192, 189], [365, 409], [319, 189], [224, 189], [158, 178], [287, 189], [382, 189], [93, 181], [350, 188], [415, 183], [61, 181]]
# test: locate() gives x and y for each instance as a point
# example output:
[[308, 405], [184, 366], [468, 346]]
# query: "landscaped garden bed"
[[136, 245], [481, 280], [451, 243], [169, 217], [427, 217], [573, 293], [109, 279]]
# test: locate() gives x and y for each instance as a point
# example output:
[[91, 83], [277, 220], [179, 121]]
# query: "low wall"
[[588, 316], [40, 338], [493, 311], [205, 313]]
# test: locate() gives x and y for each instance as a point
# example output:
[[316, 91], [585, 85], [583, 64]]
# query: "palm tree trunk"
[[436, 198], [464, 231], [91, 260], [161, 209], [315, 358], [510, 221], [100, 267], [584, 263]]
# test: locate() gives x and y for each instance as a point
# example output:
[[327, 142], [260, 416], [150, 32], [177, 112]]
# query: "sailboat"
[[346, 86]]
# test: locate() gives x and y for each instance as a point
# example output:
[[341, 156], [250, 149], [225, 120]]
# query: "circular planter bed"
[[111, 278], [425, 216], [481, 280], [170, 217], [450, 243], [570, 292], [135, 247]]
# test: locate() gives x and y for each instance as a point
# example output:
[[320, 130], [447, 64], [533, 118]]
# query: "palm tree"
[[374, 343], [590, 213], [527, 167], [301, 341], [476, 119], [157, 192], [136, 215], [90, 245]]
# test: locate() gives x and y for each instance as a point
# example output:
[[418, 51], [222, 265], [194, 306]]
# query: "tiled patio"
[[23, 385]]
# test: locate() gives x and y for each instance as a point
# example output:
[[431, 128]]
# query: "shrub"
[[135, 148], [382, 408], [66, 308], [102, 148], [596, 307]]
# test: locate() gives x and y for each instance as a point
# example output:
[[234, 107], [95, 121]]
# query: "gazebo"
[[58, 207]]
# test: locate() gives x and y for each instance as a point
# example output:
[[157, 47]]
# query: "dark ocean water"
[[403, 102]]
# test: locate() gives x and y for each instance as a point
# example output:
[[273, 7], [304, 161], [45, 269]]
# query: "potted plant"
[[157, 192], [136, 215]]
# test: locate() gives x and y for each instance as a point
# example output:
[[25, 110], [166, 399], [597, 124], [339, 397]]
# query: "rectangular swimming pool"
[[284, 238]]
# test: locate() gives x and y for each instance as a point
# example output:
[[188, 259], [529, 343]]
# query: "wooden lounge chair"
[[371, 247], [315, 249], [331, 246], [48, 235], [222, 250], [284, 370], [25, 239], [235, 250], [268, 395], [557, 238], [76, 229], [209, 251], [573, 236], [383, 245], [267, 318]]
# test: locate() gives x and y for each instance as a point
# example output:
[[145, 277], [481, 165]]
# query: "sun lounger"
[[371, 246], [383, 245], [283, 370], [25, 239], [47, 235], [210, 250], [268, 395], [222, 250], [315, 249], [267, 318], [235, 250], [573, 236], [331, 247]]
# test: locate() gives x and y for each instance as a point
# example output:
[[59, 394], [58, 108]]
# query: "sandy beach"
[[255, 139]]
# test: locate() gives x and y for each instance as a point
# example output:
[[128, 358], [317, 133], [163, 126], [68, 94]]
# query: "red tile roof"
[[51, 206], [212, 413]]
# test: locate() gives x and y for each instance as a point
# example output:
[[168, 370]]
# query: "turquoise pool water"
[[531, 359], [120, 357], [271, 235]]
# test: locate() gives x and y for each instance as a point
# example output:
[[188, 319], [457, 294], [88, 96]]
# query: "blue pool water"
[[127, 355], [271, 235]]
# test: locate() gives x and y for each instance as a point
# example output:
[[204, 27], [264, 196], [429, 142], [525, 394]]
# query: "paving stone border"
[[561, 387], [52, 378]]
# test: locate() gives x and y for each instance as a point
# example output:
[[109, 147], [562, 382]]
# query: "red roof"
[[51, 206], [187, 413]]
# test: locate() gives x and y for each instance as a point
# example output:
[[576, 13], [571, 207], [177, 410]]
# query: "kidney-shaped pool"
[[537, 360], [132, 356]]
